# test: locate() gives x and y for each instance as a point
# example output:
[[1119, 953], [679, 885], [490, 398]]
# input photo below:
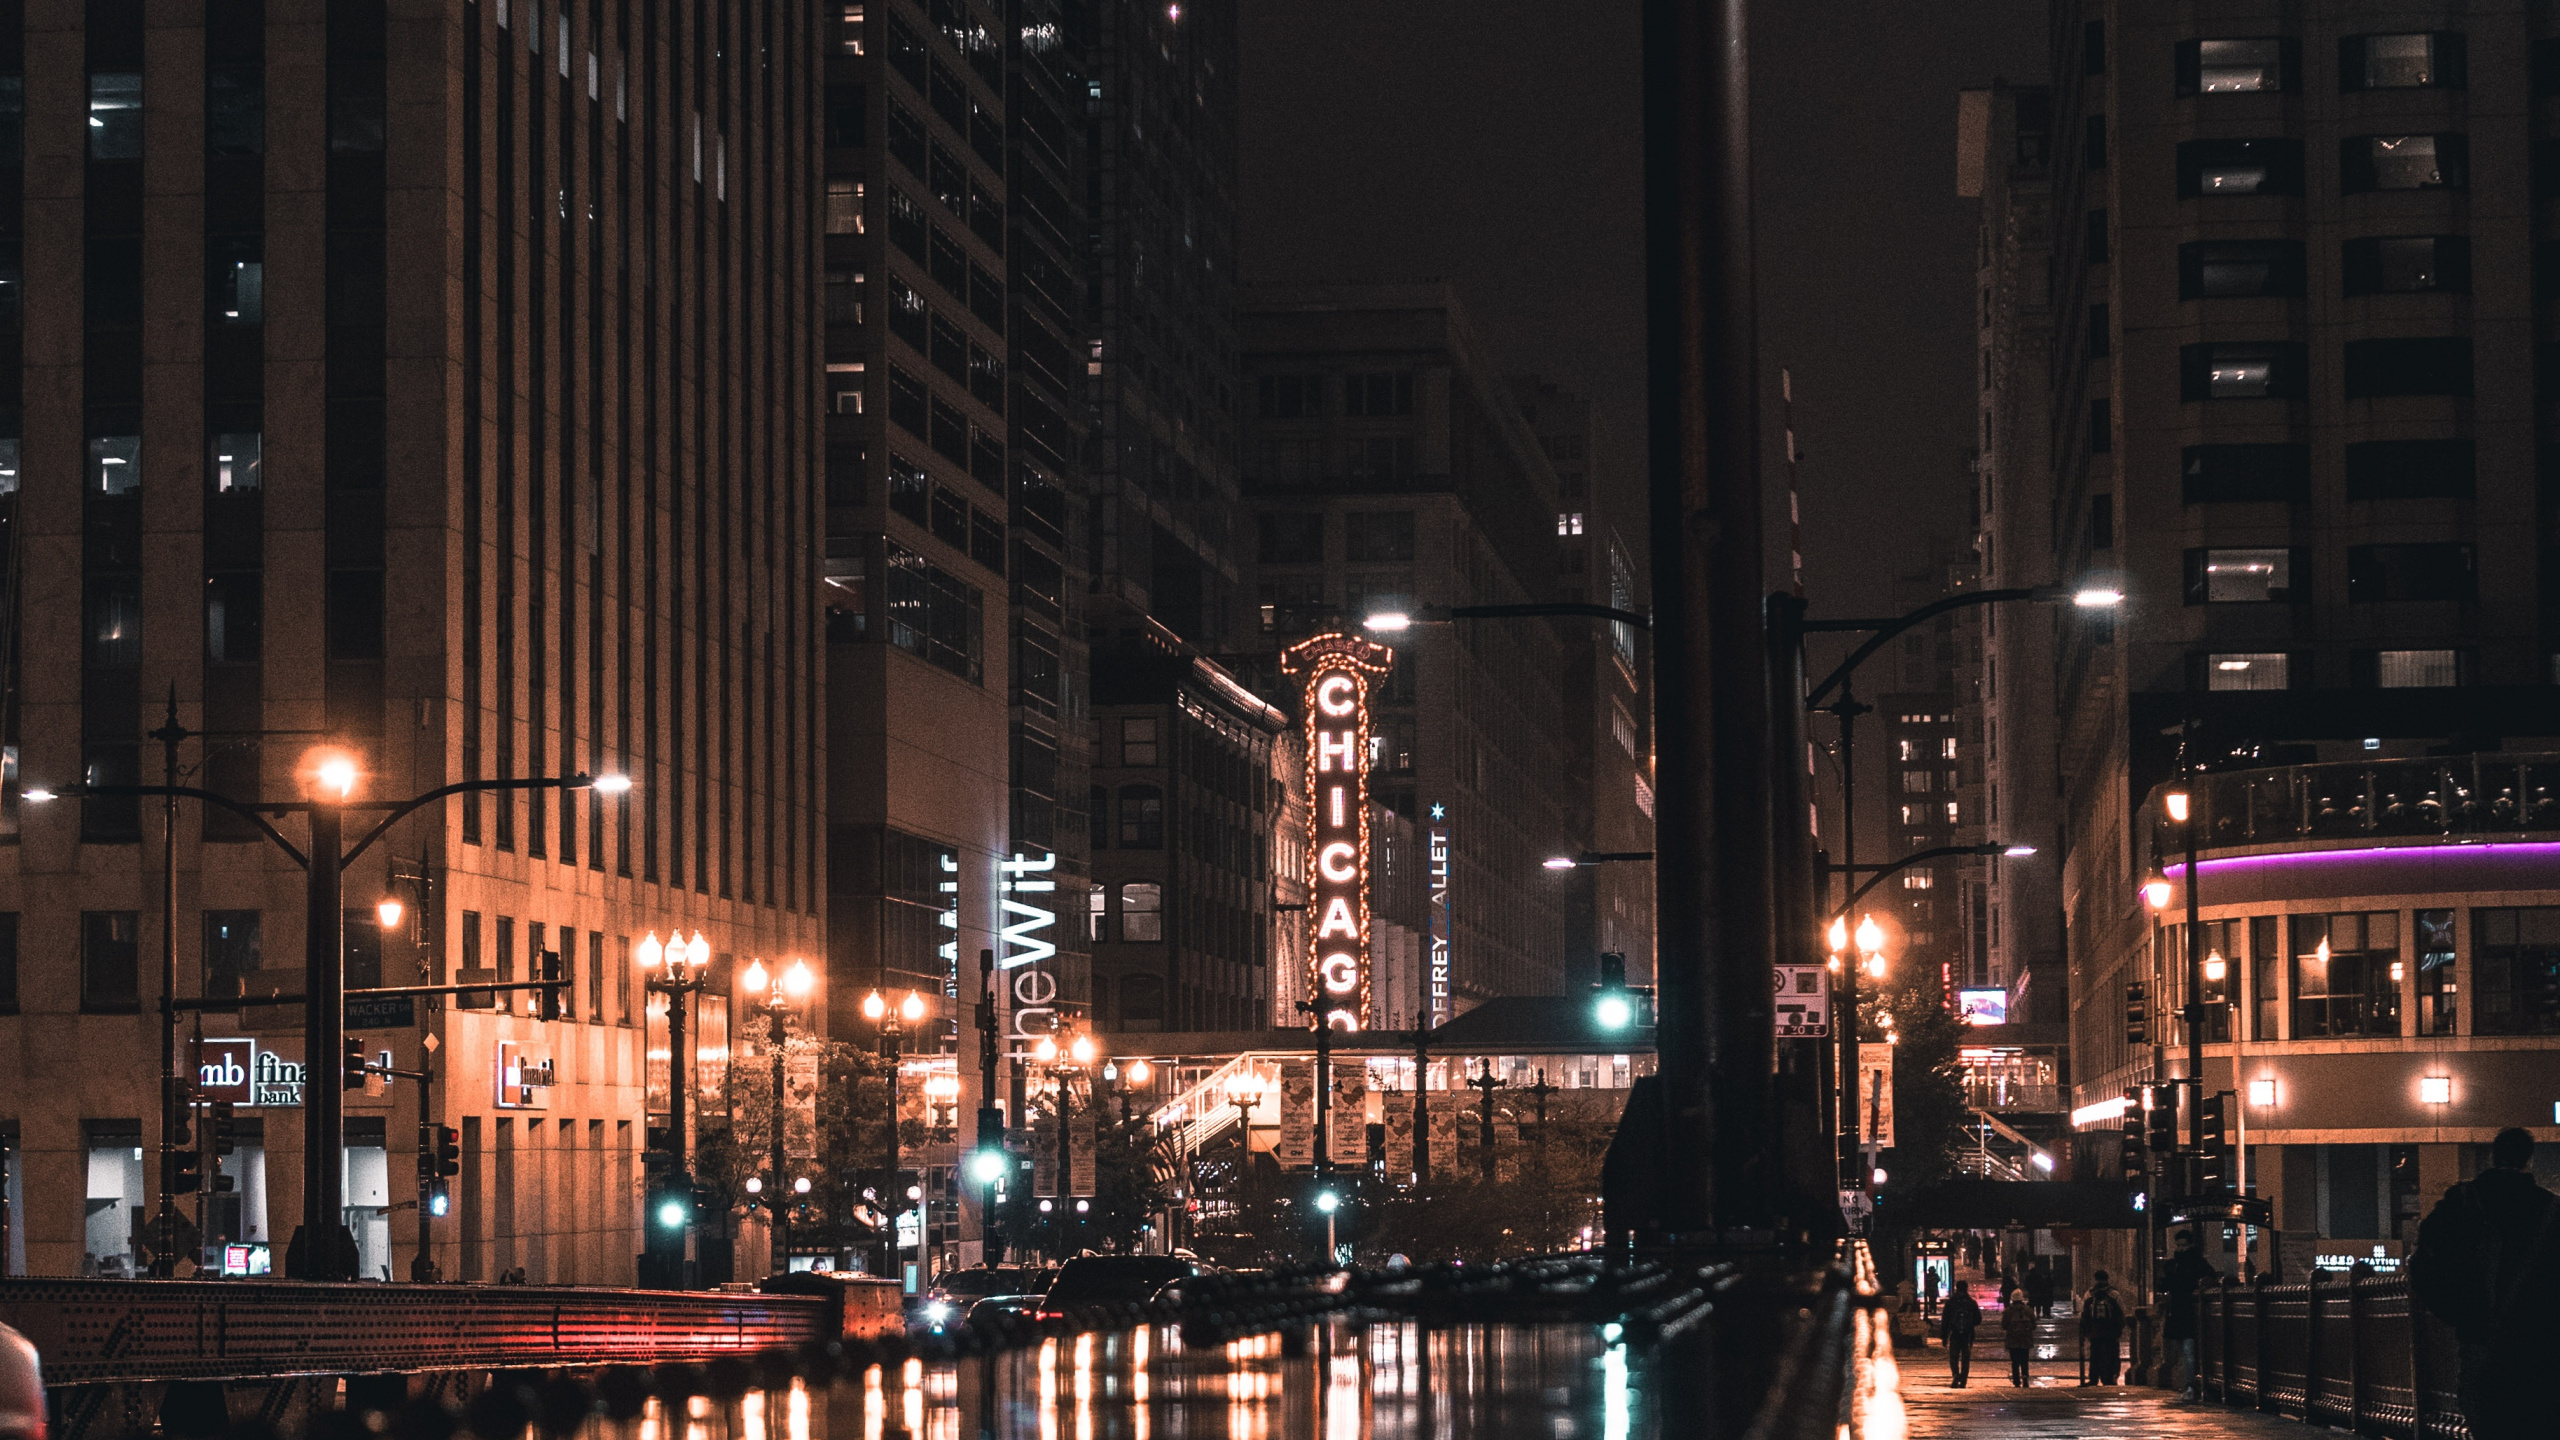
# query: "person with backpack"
[[2102, 1331], [2018, 1332], [1963, 1317], [2485, 1265]]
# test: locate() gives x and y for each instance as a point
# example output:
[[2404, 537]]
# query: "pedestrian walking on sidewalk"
[[2040, 1287], [1963, 1317], [2185, 1273], [1929, 1291], [2018, 1332], [2485, 1264], [2102, 1331]]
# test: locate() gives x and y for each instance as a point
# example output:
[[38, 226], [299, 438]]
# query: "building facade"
[[2298, 405], [544, 507], [1389, 469]]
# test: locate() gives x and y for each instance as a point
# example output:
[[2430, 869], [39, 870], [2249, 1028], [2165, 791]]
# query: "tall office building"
[[1389, 468], [1608, 692], [1925, 805], [508, 473], [921, 525], [2299, 402]]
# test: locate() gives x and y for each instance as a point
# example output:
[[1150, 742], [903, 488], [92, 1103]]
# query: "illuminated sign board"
[[1033, 1008], [1983, 1007], [1337, 671], [524, 1083], [246, 1072], [1438, 868]]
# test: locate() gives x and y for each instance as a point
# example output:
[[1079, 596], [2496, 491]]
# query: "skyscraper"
[[433, 387]]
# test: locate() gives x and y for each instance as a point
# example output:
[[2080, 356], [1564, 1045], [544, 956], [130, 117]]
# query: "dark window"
[[2403, 162], [1291, 397], [235, 110], [986, 294], [2097, 245], [848, 116], [948, 263], [950, 521], [234, 617], [2101, 334], [2435, 669], [13, 120], [908, 318], [948, 179], [2237, 371], [2398, 264], [2515, 970], [2247, 575], [907, 139], [2403, 62], [2228, 269], [1141, 818], [2546, 67], [2226, 473], [114, 283], [231, 950], [950, 351], [110, 960], [1292, 537], [986, 539], [8, 962], [2102, 427], [2438, 571], [1098, 822], [950, 433], [115, 116], [908, 489], [1142, 999], [2411, 470], [2237, 67], [354, 613], [2343, 980], [907, 401], [362, 945], [2239, 167], [935, 615], [2096, 144], [2093, 48], [1378, 535], [907, 54], [2437, 988], [2408, 367], [907, 225], [1377, 394], [2102, 520], [235, 279]]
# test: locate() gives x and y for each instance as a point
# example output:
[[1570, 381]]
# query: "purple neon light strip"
[[2524, 848]]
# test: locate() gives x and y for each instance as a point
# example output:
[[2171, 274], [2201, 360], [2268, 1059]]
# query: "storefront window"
[[114, 1202], [367, 1215], [2515, 962], [2346, 974]]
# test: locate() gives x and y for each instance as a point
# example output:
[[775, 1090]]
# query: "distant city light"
[[2097, 597], [1559, 862], [2041, 1161], [1389, 620], [2436, 1089], [2263, 1093], [2019, 851], [611, 784]]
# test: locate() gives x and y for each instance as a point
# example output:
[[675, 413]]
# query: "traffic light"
[[351, 1064], [551, 985], [988, 1163], [448, 1151], [226, 1129], [2133, 1148], [439, 1200], [670, 1211], [1612, 1008], [2162, 1119], [189, 1175], [2137, 1012], [182, 1112], [2209, 1152]]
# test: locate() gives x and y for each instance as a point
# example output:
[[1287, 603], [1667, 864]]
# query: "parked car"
[[948, 1300], [1118, 1280], [998, 1307]]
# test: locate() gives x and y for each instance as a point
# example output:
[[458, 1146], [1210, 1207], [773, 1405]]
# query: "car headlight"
[[937, 1312]]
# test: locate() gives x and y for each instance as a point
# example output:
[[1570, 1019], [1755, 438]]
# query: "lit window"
[[2232, 67], [1947, 748], [1951, 812], [1569, 522], [2246, 672], [2405, 62], [1918, 880], [2239, 576], [1142, 911], [1906, 748], [2416, 669], [844, 205], [1098, 913]]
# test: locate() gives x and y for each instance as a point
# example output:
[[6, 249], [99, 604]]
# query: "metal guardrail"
[[2355, 1354], [129, 1331]]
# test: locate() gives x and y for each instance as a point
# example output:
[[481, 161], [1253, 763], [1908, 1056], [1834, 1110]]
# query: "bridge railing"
[[2355, 1354]]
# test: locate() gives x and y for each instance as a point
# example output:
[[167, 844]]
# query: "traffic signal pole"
[[324, 1037]]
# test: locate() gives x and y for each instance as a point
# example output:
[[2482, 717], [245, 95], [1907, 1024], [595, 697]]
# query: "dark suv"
[[1117, 1280]]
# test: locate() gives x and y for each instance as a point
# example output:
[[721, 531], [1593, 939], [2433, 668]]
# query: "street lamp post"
[[891, 1022], [330, 776], [674, 968], [779, 991]]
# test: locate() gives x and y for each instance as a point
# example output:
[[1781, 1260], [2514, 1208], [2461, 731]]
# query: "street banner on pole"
[[1350, 1117], [1875, 1093], [1444, 1131], [1297, 1147], [1044, 1155], [1080, 1149], [1396, 1109]]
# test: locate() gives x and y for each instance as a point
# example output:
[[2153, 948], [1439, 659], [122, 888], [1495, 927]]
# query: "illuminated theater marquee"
[[1338, 670]]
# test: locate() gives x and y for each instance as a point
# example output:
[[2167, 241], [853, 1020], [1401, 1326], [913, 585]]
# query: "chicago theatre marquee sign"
[[1338, 670]]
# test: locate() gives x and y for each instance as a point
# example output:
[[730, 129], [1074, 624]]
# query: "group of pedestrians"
[[2102, 1315]]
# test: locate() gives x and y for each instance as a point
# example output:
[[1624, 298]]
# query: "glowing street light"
[[388, 911], [2097, 597], [2176, 801], [1389, 621], [611, 784], [2156, 892]]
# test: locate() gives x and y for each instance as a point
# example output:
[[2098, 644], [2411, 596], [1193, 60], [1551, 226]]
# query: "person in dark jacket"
[[2102, 1314], [2018, 1332], [1963, 1317], [2040, 1286], [2186, 1271], [2486, 1263]]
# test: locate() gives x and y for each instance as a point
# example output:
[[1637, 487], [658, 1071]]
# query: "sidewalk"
[[2069, 1412]]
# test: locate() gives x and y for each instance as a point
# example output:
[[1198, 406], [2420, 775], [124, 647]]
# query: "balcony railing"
[[2452, 797], [2351, 1354]]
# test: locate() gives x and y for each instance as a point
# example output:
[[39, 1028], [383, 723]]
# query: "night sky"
[[1497, 144]]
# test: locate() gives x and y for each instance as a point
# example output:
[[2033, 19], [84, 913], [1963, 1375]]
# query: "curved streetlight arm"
[[1939, 852], [191, 792], [401, 809], [1886, 630]]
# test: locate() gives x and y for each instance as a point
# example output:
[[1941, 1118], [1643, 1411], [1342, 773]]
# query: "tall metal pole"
[[782, 1189], [991, 1220], [164, 1260], [1712, 1166], [2195, 962], [424, 1269], [324, 1030], [1853, 1175]]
